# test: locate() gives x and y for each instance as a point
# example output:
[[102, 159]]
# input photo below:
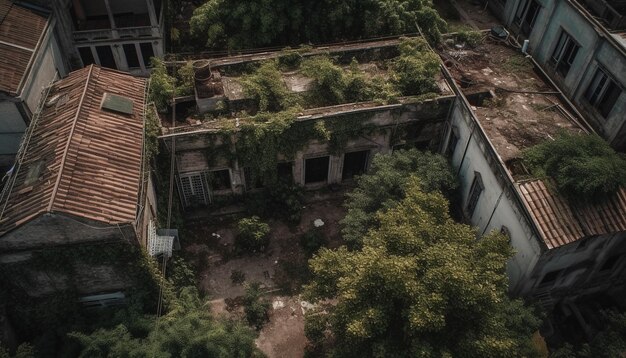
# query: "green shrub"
[[312, 240], [329, 78], [280, 200], [185, 79], [266, 86], [582, 166], [470, 38], [253, 234], [162, 85], [413, 72], [255, 307]]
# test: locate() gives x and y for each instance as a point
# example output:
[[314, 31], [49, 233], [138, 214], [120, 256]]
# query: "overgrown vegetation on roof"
[[164, 86], [581, 166]]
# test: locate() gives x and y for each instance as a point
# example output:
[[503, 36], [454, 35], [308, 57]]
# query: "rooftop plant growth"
[[411, 73], [581, 166], [164, 85]]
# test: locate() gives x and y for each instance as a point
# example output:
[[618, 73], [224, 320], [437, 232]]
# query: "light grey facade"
[[581, 46]]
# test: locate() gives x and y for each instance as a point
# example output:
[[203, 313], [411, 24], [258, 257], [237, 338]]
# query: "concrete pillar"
[[111, 20]]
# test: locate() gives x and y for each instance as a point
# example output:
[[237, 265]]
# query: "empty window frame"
[[146, 53], [526, 15], [105, 56], [452, 142], [193, 189], [474, 194], [130, 51], [219, 180], [603, 93], [354, 163], [564, 54], [253, 178], [285, 172], [316, 170], [86, 56], [550, 277]]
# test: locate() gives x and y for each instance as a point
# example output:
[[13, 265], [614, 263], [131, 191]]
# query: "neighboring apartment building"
[[30, 59], [581, 44], [80, 185], [564, 250], [117, 34]]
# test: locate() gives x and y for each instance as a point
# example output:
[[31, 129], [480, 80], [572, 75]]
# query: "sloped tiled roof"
[[561, 222], [20, 31], [81, 159]]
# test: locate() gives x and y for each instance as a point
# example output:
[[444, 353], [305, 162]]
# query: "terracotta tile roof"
[[20, 31], [561, 222], [81, 159]]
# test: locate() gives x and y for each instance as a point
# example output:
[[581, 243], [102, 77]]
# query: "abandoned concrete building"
[[117, 34], [563, 250], [581, 45], [80, 185], [29, 60]]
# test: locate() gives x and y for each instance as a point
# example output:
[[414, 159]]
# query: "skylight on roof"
[[115, 103]]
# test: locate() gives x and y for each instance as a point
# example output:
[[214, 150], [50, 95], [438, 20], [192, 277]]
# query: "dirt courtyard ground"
[[281, 270]]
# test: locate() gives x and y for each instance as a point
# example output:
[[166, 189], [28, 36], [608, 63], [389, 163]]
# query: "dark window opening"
[[603, 93], [316, 170], [454, 140], [86, 56], [413, 131], [526, 15], [354, 164], [253, 179], [285, 172], [610, 263], [564, 54], [130, 51], [219, 179], [550, 277], [146, 53], [474, 194], [105, 54]]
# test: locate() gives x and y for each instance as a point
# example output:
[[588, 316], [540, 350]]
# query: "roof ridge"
[[69, 140]]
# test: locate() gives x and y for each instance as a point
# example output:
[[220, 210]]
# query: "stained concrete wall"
[[497, 205], [193, 150]]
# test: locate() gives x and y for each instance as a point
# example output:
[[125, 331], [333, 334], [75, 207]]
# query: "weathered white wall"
[[497, 205]]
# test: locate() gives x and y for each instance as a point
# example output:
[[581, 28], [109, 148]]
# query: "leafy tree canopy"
[[256, 23], [421, 286], [611, 342], [188, 330], [582, 166], [385, 185]]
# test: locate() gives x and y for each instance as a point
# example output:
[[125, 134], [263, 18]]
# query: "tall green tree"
[[385, 185], [188, 330], [256, 23], [421, 286]]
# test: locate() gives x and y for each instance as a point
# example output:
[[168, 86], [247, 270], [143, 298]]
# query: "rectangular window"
[[105, 55], [253, 178], [193, 189], [452, 144], [526, 15], [130, 51], [146, 53], [603, 93], [86, 56], [474, 194], [316, 170], [285, 172], [354, 164], [564, 54], [219, 179]]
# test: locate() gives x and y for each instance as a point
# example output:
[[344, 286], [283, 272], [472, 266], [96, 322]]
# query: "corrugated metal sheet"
[[561, 222], [91, 157], [20, 31]]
